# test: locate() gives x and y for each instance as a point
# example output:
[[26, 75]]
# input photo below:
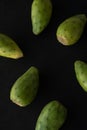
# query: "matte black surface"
[[54, 61]]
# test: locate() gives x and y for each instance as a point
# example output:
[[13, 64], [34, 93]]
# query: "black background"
[[54, 61]]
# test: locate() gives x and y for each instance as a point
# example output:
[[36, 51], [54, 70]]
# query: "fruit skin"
[[41, 12], [25, 88], [9, 48], [80, 68], [52, 116], [71, 29]]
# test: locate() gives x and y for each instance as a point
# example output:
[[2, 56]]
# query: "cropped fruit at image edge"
[[24, 90]]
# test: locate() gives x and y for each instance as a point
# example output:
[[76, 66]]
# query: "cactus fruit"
[[41, 11], [52, 116], [81, 73], [71, 29], [25, 88], [8, 48]]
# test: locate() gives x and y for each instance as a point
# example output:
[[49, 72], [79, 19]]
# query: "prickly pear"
[[41, 11], [9, 48], [52, 116], [25, 88], [71, 29], [81, 73]]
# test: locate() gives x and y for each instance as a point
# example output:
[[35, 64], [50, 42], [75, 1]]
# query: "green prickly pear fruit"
[[25, 88], [81, 73], [9, 48], [52, 116], [41, 11], [71, 29]]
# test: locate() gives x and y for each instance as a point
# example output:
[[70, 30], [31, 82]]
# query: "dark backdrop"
[[54, 61]]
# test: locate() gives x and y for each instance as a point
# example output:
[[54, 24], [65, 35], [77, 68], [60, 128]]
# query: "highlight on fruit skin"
[[9, 48], [71, 29], [80, 68], [41, 12], [25, 88]]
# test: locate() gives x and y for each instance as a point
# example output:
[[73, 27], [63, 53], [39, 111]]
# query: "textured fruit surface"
[[71, 29], [25, 88], [81, 73], [8, 48], [41, 11], [52, 116]]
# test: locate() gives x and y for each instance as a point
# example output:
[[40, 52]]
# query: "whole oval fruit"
[[71, 29], [80, 68], [52, 116], [25, 88], [9, 48], [41, 12]]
